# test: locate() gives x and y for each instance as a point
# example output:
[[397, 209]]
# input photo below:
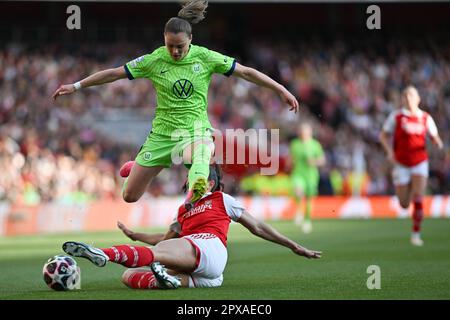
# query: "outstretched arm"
[[436, 139], [263, 230], [261, 79], [151, 239], [384, 140], [101, 77]]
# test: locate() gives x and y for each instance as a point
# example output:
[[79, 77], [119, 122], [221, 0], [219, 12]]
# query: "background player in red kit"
[[194, 248], [409, 127]]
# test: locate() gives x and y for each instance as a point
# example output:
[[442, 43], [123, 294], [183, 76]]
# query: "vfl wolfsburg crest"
[[183, 88], [147, 156], [196, 68]]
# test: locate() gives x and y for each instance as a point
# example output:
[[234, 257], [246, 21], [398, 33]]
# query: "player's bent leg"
[[138, 180], [307, 225], [82, 250], [145, 278], [401, 177], [299, 193], [176, 254], [403, 193], [418, 185], [200, 153]]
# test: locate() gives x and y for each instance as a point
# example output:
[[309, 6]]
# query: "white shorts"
[[401, 175], [211, 260]]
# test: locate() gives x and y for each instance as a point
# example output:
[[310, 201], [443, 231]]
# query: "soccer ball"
[[61, 273]]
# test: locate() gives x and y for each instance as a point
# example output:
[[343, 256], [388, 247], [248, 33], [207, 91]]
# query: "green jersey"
[[181, 86], [302, 152]]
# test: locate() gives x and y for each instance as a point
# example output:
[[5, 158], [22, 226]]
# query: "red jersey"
[[211, 214], [409, 135]]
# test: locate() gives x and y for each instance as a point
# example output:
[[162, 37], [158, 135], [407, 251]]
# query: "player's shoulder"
[[394, 114], [200, 51], [424, 113], [397, 112], [224, 196], [158, 52], [295, 141]]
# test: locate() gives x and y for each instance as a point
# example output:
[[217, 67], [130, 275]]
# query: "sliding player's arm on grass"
[[149, 238], [100, 77], [265, 231]]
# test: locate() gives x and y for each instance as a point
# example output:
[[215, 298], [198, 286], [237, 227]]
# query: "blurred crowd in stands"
[[47, 153]]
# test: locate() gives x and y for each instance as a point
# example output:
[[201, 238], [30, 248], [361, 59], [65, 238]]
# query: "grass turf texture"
[[258, 269]]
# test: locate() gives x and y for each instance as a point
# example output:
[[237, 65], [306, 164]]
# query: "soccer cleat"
[[165, 280], [307, 226], [198, 190], [416, 240], [78, 249], [126, 169]]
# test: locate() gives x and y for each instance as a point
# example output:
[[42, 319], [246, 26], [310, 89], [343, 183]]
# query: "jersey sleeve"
[[431, 126], [389, 124], [141, 67], [233, 207], [220, 63]]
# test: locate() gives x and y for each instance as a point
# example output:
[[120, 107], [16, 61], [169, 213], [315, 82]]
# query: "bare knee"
[[129, 197], [404, 204], [126, 277]]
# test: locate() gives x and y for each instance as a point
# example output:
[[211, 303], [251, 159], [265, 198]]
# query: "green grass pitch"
[[258, 269]]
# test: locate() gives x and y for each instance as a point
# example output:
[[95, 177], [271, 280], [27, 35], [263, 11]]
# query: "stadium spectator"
[[324, 75]]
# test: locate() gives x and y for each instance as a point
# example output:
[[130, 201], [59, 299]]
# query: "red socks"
[[141, 280], [130, 256], [417, 214]]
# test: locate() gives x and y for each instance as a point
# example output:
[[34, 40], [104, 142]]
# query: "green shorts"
[[309, 186], [162, 151]]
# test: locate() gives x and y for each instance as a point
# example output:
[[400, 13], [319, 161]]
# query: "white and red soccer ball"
[[61, 273]]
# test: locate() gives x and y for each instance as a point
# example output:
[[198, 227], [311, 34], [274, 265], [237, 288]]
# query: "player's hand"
[[310, 254], [289, 99], [130, 234], [63, 90]]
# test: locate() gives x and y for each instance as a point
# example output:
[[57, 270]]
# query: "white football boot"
[[78, 249], [416, 240], [165, 280]]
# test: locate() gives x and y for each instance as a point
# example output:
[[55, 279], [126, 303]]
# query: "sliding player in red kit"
[[194, 249], [409, 127]]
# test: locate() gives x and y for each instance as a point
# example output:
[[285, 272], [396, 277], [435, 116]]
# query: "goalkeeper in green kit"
[[181, 73], [306, 156]]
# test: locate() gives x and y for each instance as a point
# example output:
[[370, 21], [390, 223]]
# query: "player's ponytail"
[[192, 12]]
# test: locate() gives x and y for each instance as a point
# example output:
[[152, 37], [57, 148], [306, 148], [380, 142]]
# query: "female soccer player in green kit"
[[181, 73], [306, 154]]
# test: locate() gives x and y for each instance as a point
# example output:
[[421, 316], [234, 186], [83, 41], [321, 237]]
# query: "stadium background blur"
[[59, 161], [347, 78]]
